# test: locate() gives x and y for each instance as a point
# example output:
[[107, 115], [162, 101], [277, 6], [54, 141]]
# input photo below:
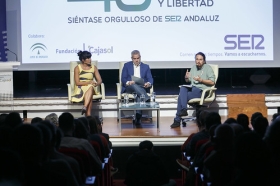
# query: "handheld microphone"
[[88, 64], [12, 53]]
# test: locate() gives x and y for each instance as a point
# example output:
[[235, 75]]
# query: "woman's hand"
[[93, 83]]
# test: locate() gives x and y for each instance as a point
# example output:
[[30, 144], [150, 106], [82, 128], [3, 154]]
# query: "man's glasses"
[[136, 58]]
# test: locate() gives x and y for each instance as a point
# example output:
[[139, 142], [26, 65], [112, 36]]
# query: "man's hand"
[[131, 82], [146, 85], [188, 74], [197, 78]]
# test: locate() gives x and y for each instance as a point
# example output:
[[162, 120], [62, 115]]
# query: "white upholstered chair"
[[70, 86]]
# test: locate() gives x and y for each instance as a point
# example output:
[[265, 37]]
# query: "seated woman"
[[86, 78]]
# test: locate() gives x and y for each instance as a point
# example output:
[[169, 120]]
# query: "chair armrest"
[[118, 91], [203, 94], [69, 92], [103, 90]]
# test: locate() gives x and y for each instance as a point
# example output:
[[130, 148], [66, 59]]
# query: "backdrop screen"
[[53, 31]]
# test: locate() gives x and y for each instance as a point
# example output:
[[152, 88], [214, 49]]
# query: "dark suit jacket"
[[128, 71]]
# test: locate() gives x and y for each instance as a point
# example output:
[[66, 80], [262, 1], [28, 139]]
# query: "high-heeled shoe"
[[84, 109]]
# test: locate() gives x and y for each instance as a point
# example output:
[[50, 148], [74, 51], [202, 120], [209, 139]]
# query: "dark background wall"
[[165, 80]]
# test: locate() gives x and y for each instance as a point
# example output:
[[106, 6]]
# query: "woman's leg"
[[88, 113], [88, 98]]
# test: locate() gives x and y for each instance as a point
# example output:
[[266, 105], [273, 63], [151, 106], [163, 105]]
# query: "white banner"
[[163, 30], [6, 84]]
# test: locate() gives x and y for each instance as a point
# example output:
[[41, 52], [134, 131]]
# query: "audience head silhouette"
[[146, 145], [36, 120], [13, 119], [66, 122]]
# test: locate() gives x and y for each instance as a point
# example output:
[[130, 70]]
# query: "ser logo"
[[122, 6], [39, 47], [244, 42]]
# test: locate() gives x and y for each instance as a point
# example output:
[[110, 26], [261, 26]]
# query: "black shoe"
[[138, 122], [138, 126], [149, 100], [84, 109], [175, 124], [183, 112], [138, 116]]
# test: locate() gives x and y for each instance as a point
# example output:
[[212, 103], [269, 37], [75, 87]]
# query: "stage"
[[129, 135]]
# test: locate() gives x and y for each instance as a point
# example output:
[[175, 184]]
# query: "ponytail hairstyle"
[[83, 55]]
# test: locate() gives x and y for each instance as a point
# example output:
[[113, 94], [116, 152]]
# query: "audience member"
[[99, 122], [30, 150], [212, 118], [58, 168], [251, 161], [200, 156], [5, 137], [146, 168], [36, 120], [102, 139], [55, 155], [227, 154], [260, 125], [219, 165], [2, 119], [201, 115], [230, 120], [53, 118], [254, 116], [272, 140], [94, 136], [11, 168], [243, 120], [274, 116], [13, 119], [80, 130], [66, 124]]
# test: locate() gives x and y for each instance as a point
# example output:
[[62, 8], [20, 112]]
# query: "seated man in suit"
[[138, 69]]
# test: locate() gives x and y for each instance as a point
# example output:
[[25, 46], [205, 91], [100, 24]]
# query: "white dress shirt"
[[137, 70]]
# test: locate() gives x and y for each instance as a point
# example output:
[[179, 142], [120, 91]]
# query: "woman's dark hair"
[[83, 55], [202, 54]]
